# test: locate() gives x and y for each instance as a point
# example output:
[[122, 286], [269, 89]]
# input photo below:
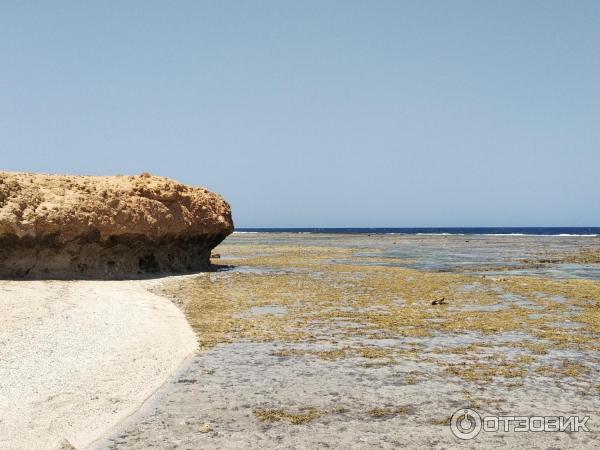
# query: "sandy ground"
[[77, 357]]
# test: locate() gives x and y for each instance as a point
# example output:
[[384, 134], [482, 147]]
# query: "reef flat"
[[321, 340]]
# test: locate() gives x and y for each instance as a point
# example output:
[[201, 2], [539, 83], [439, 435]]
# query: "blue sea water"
[[515, 231]]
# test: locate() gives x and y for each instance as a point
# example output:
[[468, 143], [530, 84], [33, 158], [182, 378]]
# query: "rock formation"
[[55, 226]]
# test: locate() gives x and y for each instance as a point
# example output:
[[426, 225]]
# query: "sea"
[[485, 231]]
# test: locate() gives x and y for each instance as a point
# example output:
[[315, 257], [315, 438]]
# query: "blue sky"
[[317, 113]]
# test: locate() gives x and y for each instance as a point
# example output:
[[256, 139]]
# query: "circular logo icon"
[[465, 424]]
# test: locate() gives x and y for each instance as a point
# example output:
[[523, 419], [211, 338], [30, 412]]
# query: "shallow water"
[[510, 255]]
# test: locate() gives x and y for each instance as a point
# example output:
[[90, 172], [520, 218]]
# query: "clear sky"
[[317, 113]]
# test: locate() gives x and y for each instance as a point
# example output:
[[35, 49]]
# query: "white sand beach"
[[76, 357]]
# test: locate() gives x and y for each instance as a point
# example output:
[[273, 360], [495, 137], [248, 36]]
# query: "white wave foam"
[[439, 234]]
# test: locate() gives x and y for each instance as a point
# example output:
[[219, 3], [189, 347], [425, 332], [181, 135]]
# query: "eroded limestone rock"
[[56, 226]]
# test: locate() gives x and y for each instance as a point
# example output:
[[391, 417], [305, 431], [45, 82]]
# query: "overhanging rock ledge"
[[60, 226]]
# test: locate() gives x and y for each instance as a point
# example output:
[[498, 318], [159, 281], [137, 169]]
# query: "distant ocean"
[[486, 231]]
